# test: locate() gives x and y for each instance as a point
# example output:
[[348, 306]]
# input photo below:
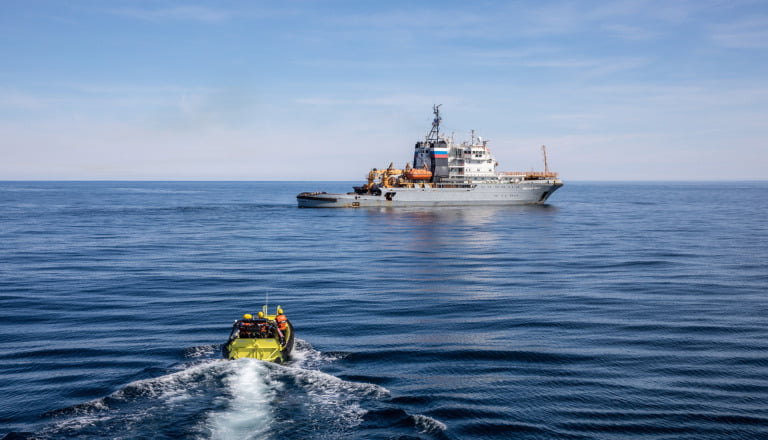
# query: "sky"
[[327, 90]]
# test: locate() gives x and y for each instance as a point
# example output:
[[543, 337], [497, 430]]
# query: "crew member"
[[281, 319], [262, 326], [245, 326]]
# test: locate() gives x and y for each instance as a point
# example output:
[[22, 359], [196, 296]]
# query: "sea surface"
[[617, 311]]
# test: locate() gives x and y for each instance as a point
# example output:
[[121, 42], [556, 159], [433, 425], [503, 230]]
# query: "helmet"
[[261, 314], [279, 311], [247, 316]]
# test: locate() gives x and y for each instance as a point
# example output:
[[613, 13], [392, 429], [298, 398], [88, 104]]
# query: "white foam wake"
[[242, 399], [136, 402], [427, 424], [246, 404]]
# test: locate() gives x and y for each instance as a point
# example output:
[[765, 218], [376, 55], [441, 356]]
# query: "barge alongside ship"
[[443, 174]]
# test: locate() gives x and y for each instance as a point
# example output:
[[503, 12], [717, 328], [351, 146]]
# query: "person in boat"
[[246, 326], [281, 320], [262, 326], [253, 328], [282, 323]]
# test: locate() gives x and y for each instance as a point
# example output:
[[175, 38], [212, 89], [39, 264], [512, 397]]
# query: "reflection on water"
[[468, 252], [476, 225], [467, 214]]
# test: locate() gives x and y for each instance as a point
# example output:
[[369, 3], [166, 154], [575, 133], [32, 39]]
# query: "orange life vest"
[[282, 322], [246, 329]]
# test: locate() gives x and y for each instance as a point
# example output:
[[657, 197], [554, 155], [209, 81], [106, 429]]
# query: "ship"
[[443, 173]]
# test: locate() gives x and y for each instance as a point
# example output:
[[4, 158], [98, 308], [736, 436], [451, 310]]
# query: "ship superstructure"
[[444, 173]]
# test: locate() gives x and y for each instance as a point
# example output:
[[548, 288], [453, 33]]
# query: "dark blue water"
[[620, 311]]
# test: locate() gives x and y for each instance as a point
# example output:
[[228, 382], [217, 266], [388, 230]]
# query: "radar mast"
[[434, 134]]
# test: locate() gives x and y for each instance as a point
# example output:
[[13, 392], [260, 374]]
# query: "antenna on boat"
[[266, 303], [434, 134]]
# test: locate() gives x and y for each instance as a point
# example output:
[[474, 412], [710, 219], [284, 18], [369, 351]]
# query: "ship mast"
[[434, 134], [546, 166]]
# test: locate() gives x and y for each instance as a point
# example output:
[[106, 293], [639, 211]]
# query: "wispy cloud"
[[387, 100], [744, 34], [628, 19], [631, 32], [551, 58], [180, 13], [19, 101]]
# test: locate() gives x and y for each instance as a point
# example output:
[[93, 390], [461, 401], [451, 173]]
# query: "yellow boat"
[[265, 337]]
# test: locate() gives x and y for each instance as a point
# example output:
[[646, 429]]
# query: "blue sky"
[[326, 90]]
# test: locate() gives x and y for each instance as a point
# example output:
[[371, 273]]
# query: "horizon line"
[[355, 181]]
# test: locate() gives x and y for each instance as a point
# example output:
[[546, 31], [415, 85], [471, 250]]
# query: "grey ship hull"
[[520, 193]]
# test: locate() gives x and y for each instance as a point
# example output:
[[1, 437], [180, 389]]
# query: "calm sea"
[[618, 311]]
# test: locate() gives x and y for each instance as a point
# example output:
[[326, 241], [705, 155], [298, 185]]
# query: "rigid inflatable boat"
[[264, 337]]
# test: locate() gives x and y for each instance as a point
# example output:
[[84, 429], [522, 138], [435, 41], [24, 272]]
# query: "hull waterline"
[[496, 195]]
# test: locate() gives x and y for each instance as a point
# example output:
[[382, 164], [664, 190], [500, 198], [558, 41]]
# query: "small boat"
[[264, 337]]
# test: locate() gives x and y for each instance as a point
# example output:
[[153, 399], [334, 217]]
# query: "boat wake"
[[209, 398]]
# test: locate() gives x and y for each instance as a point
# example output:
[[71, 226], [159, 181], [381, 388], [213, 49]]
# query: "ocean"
[[616, 311]]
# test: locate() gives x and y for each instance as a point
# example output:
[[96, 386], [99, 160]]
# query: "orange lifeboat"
[[418, 174]]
